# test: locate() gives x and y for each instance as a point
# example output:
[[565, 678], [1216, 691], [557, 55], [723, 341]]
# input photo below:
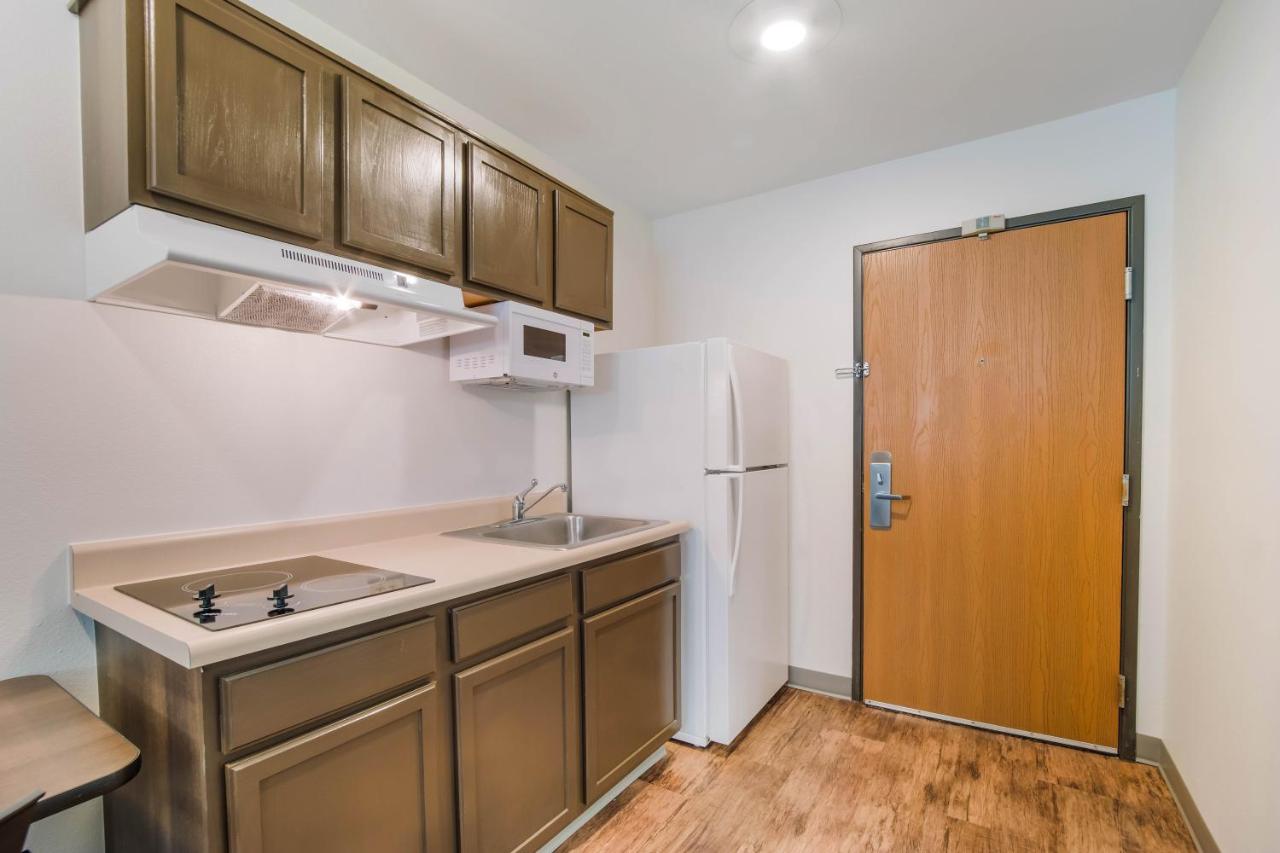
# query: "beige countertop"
[[460, 567]]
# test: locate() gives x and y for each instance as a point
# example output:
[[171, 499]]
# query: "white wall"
[[1223, 721], [775, 271], [116, 422]]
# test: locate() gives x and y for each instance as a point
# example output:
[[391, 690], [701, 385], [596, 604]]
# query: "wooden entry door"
[[998, 386]]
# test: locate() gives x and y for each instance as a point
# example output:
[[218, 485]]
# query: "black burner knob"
[[206, 595], [279, 598]]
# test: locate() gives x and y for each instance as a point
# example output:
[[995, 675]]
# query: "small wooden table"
[[50, 742]]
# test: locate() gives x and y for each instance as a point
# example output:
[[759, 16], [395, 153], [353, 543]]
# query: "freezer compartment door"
[[748, 597], [748, 407]]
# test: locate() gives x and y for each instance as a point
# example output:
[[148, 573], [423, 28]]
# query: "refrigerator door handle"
[[735, 391], [737, 483]]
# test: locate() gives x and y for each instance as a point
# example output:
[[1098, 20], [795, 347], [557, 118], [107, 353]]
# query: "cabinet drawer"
[[610, 583], [261, 702], [486, 624]]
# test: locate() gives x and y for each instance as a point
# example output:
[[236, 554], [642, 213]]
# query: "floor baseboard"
[[839, 686], [1151, 750]]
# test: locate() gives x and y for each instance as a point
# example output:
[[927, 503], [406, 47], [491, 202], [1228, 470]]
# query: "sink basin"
[[560, 531]]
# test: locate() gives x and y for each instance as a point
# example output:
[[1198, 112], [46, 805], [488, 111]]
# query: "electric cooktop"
[[224, 598]]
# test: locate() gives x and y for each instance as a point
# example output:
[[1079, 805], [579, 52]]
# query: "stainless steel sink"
[[561, 531]]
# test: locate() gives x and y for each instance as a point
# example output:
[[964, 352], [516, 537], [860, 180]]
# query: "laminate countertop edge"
[[460, 567]]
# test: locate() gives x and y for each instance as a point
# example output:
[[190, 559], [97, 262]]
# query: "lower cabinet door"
[[367, 782], [630, 676], [519, 762]]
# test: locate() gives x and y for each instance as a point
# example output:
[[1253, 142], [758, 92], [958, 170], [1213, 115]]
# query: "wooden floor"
[[817, 774]]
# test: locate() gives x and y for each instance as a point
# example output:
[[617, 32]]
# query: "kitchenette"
[[441, 678]]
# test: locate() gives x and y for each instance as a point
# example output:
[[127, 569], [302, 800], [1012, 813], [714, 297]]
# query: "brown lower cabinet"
[[630, 679], [485, 724], [518, 738], [363, 783]]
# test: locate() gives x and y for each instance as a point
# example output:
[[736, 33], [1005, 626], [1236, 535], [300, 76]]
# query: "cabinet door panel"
[[629, 664], [399, 192], [364, 783], [518, 746], [508, 225], [236, 116], [584, 257]]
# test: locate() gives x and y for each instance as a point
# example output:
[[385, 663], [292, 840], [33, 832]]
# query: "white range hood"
[[146, 258]]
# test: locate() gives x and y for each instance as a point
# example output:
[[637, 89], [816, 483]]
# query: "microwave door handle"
[[735, 393]]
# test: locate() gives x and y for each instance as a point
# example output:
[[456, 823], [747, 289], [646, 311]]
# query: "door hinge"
[[1121, 682], [1128, 283], [1124, 490], [861, 370]]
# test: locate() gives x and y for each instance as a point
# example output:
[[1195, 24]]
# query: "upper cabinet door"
[[398, 189], [584, 257], [508, 225], [236, 116]]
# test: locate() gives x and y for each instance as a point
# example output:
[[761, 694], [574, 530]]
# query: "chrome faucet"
[[518, 505]]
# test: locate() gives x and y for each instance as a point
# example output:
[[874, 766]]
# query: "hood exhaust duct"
[[146, 258]]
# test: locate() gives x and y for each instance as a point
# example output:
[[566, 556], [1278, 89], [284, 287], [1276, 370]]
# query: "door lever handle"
[[880, 480]]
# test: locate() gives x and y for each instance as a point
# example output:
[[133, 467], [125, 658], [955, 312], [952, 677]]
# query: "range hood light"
[[338, 303]]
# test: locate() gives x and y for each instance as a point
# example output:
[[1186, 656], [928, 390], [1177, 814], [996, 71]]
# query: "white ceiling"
[[646, 99]]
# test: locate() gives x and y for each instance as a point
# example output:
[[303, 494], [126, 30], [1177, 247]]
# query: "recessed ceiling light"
[[767, 30], [783, 35]]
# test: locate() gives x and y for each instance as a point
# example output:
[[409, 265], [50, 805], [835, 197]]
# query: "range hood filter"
[[287, 308]]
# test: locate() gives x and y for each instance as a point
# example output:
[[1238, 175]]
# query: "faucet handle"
[[533, 484]]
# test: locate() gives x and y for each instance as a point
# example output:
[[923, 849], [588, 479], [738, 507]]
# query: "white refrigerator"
[[699, 432]]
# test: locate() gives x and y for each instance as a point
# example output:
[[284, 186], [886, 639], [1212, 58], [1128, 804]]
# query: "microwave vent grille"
[[475, 362]]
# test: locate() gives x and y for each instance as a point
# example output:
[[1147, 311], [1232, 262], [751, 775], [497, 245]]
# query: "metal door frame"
[[1134, 207]]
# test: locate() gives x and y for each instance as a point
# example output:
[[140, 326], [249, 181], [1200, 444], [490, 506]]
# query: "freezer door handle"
[[736, 485], [735, 392]]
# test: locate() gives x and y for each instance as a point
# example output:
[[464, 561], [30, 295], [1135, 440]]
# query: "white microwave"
[[528, 348]]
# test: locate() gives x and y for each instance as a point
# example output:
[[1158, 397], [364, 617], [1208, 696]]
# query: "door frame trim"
[[1134, 207]]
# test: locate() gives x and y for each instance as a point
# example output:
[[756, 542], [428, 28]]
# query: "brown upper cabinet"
[[584, 257], [508, 225], [209, 109], [236, 116], [399, 195]]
